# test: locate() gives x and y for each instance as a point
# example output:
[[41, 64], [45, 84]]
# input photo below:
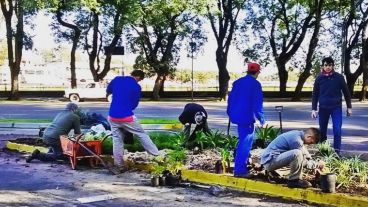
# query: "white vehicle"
[[95, 90]]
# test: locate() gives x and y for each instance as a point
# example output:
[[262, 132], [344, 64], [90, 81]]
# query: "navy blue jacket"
[[327, 92], [190, 109], [126, 93], [246, 101]]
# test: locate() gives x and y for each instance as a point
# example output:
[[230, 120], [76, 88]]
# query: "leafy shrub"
[[325, 148], [265, 135]]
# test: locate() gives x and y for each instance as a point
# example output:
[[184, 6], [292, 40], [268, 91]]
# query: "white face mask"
[[199, 117]]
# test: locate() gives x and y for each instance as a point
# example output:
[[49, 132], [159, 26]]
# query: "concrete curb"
[[308, 195]]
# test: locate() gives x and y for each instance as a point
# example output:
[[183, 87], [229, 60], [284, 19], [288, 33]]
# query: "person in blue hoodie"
[[327, 93], [245, 103], [126, 93]]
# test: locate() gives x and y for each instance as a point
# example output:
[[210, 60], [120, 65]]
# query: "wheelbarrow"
[[76, 149]]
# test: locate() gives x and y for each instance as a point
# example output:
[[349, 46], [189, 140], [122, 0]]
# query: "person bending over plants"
[[62, 124], [288, 150], [194, 114]]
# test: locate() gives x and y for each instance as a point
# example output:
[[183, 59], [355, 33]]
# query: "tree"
[[62, 10], [121, 13], [318, 5], [280, 27], [223, 18], [160, 31], [8, 8], [352, 30], [364, 62]]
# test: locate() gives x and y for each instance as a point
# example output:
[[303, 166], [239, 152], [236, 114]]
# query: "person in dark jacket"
[[194, 114], [62, 124], [327, 93], [126, 93], [244, 104]]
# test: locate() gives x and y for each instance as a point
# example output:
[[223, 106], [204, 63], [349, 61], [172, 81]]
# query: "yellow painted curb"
[[172, 126], [310, 195], [24, 147]]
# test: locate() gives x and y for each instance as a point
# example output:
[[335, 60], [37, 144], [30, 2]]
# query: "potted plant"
[[155, 174]]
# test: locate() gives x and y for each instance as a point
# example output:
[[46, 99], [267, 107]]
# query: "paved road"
[[296, 115]]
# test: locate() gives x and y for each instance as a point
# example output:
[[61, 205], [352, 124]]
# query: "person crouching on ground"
[[126, 93], [62, 124], [194, 114], [288, 150]]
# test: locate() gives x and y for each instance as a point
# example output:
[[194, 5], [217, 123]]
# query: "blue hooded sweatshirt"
[[126, 93], [246, 101]]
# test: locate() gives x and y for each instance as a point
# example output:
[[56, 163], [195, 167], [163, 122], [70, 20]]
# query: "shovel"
[[107, 166]]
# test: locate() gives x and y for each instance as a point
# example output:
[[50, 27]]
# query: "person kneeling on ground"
[[62, 124], [194, 114], [288, 150]]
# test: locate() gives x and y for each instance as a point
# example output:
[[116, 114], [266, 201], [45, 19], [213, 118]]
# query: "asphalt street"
[[295, 115]]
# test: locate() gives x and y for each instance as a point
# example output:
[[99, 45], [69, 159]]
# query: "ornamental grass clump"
[[265, 135]]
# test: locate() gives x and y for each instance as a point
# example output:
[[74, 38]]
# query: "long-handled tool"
[[107, 166]]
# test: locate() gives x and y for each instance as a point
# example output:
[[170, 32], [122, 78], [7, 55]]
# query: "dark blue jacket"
[[246, 101], [327, 92], [190, 109], [126, 93]]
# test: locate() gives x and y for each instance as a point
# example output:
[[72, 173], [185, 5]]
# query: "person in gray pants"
[[126, 93], [288, 150]]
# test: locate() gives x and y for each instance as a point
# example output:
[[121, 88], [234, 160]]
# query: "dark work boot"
[[298, 184], [33, 156]]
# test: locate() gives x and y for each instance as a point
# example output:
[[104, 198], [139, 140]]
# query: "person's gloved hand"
[[314, 114], [321, 164], [349, 111]]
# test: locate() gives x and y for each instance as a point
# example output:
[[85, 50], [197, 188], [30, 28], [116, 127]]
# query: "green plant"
[[226, 156], [157, 169], [325, 148], [266, 134], [201, 140]]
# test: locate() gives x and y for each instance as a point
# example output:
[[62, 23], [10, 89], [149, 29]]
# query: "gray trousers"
[[293, 158], [117, 129]]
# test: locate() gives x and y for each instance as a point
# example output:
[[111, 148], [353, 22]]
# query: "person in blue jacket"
[[245, 103], [126, 93], [327, 92]]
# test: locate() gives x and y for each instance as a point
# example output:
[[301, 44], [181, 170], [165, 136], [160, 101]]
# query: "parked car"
[[95, 90]]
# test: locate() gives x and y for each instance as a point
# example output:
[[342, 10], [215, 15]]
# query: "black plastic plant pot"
[[218, 167], [328, 182], [162, 180], [172, 180], [155, 181]]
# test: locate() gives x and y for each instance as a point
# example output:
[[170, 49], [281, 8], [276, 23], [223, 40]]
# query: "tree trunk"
[[283, 75], [311, 49], [93, 54], [298, 90], [108, 53], [224, 77], [159, 82], [77, 34], [364, 63]]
